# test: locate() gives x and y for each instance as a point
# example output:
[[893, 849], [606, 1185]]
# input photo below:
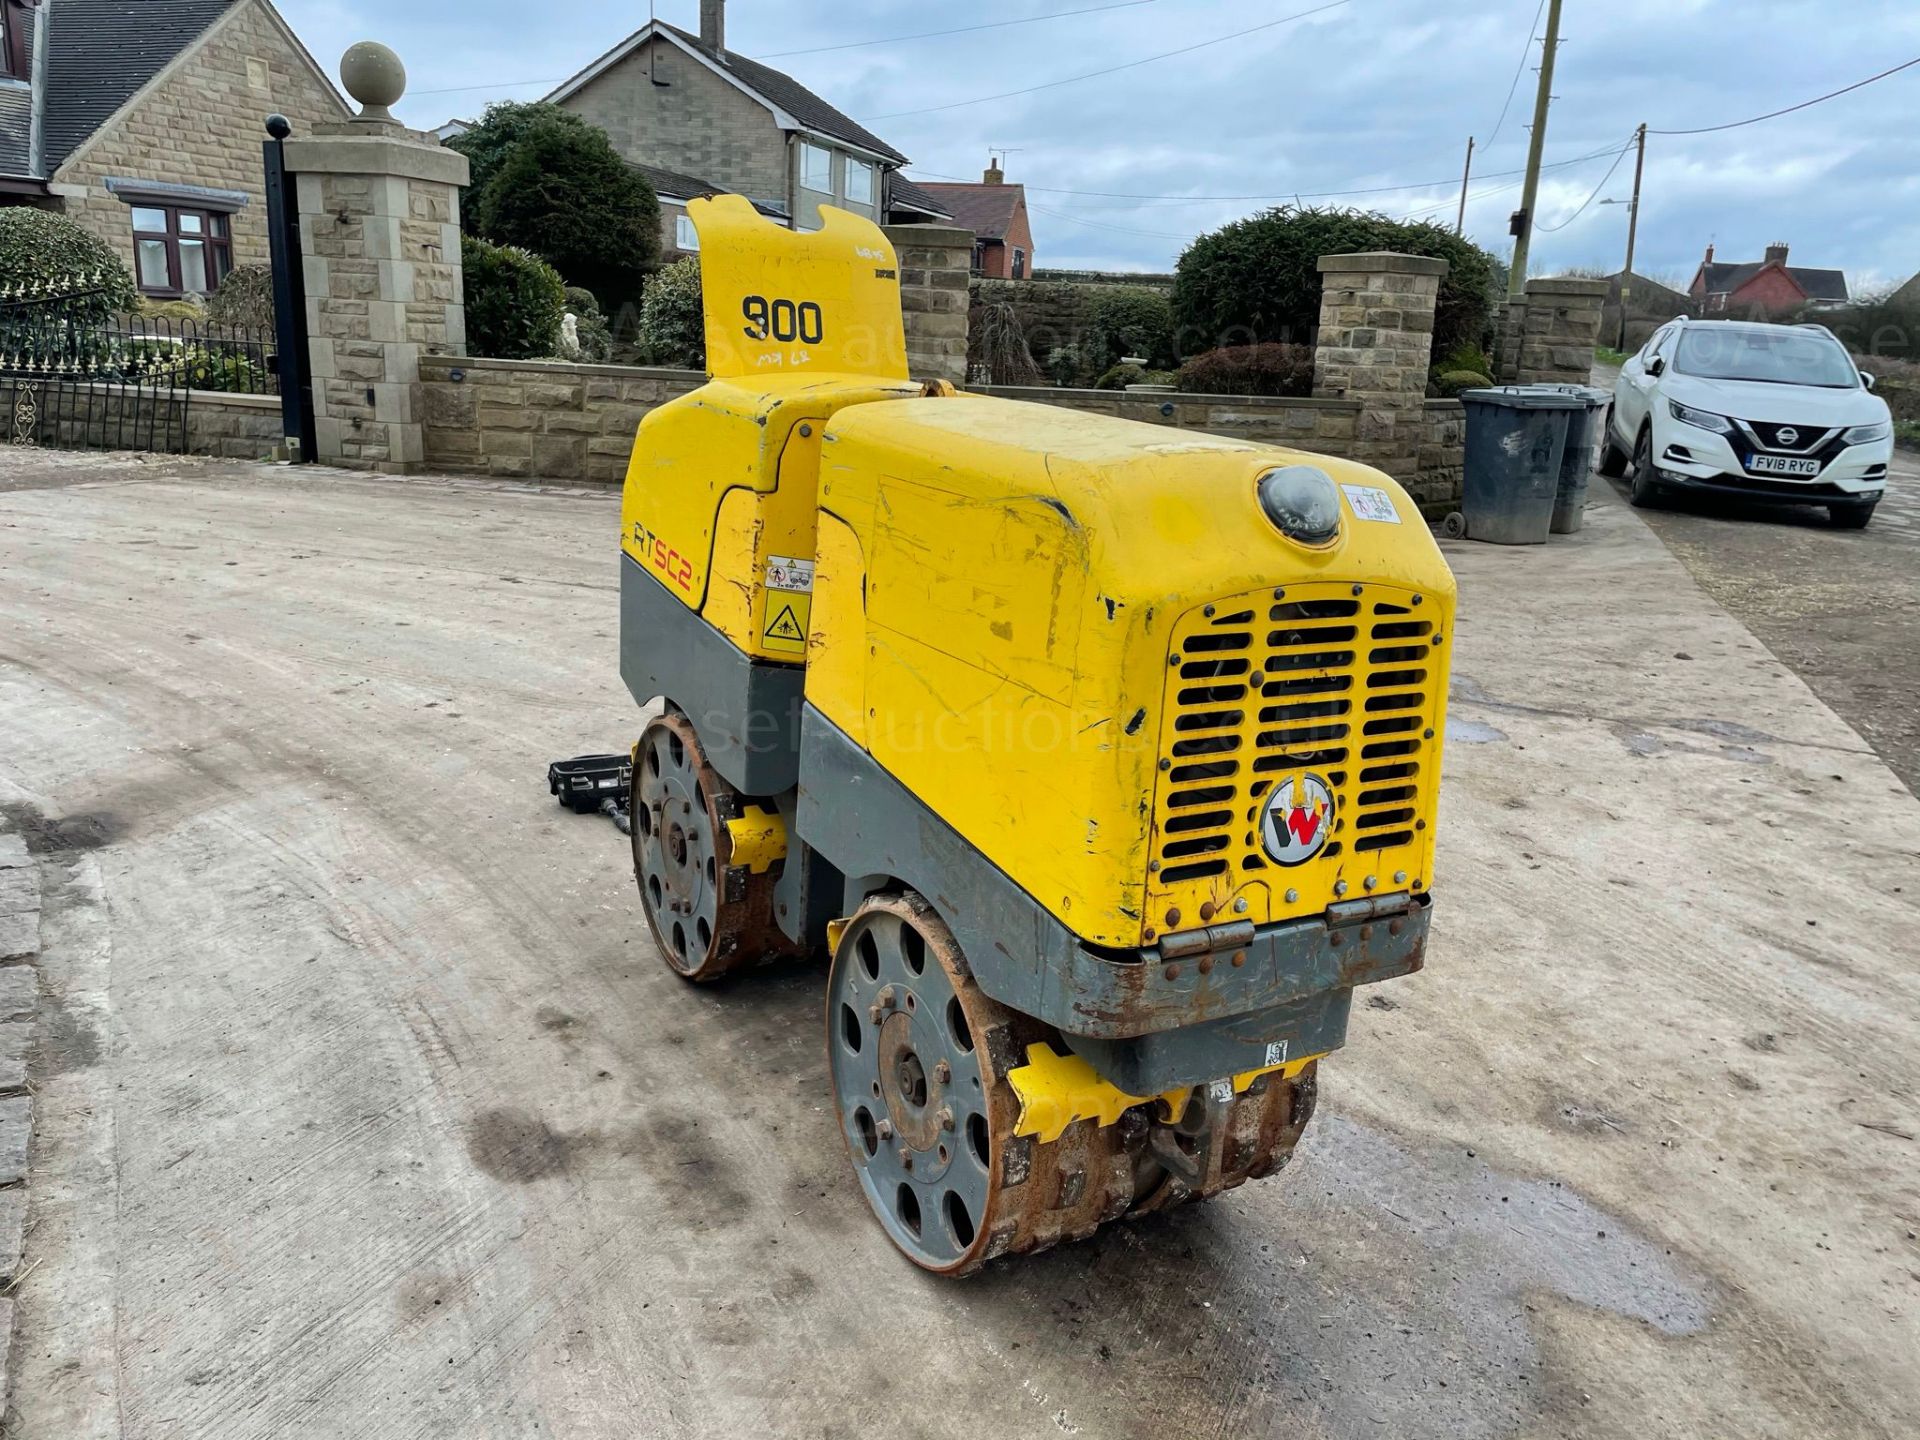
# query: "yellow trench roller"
[[1102, 758]]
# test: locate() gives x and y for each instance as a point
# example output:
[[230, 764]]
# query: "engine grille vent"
[[1321, 681]]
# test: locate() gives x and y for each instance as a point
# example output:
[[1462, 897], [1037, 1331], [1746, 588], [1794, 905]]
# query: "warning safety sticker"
[[785, 573], [783, 625], [1371, 503]]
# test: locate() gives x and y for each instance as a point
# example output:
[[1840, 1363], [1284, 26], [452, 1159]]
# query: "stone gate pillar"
[[1558, 330], [1375, 345], [380, 251]]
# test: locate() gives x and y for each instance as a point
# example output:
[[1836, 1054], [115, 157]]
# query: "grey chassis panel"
[[746, 712], [1293, 988]]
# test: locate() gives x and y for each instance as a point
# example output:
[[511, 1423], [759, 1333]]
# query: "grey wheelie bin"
[[1516, 441], [1584, 433]]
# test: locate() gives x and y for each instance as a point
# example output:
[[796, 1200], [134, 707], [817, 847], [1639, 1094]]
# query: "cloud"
[[1375, 93]]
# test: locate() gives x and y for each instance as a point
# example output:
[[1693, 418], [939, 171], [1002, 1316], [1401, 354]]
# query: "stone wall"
[[233, 427], [934, 261], [575, 423], [1325, 427], [1053, 314], [1443, 458], [543, 418], [202, 126]]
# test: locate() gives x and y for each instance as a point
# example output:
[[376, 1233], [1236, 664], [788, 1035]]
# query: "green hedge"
[[515, 301], [1257, 280], [49, 254], [672, 324]]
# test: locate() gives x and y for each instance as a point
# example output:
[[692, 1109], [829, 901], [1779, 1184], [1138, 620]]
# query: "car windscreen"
[[1773, 357]]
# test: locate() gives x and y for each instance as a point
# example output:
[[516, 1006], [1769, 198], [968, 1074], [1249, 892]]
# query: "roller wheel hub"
[[708, 916]]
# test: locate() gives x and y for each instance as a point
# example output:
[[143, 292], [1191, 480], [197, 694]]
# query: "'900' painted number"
[[782, 320]]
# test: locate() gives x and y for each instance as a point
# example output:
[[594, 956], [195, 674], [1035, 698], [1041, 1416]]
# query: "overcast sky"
[[1368, 93]]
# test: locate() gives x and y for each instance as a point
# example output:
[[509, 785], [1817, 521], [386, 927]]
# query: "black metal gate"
[[68, 385]]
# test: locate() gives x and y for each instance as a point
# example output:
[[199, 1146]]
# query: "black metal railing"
[[38, 336], [71, 382]]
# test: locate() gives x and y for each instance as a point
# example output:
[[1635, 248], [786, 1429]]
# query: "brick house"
[[1763, 287], [996, 213], [697, 118], [142, 122]]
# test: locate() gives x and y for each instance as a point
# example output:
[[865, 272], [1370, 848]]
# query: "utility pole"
[[1633, 230], [1460, 225], [1523, 218]]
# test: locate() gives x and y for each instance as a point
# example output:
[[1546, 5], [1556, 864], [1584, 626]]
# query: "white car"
[[1771, 413]]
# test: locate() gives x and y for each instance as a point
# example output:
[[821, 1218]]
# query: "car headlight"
[[1702, 419], [1302, 502], [1869, 434]]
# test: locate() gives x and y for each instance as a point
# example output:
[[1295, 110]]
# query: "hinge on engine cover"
[[1369, 907], [1210, 940]]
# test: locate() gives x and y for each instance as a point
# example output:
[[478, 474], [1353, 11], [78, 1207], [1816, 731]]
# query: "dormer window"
[[16, 39]]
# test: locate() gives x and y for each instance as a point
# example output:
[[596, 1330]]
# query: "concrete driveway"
[[367, 1109], [1841, 607]]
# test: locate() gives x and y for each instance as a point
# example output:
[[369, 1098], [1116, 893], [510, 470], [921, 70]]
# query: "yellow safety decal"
[[1056, 1090], [783, 623], [759, 838]]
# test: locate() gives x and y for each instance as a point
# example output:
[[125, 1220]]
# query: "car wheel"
[[1613, 460], [1645, 490], [1851, 517]]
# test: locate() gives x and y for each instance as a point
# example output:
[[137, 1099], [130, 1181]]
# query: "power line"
[[848, 45], [1803, 105], [1518, 71], [1551, 229], [1451, 181], [1103, 225], [958, 30], [1113, 69]]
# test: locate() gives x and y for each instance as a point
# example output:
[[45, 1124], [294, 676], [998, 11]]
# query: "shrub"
[[515, 301], [672, 324], [1120, 376], [997, 346], [195, 367], [503, 126], [562, 192], [1257, 280], [1250, 370], [151, 309], [47, 251], [245, 298], [1068, 365], [1448, 386], [1128, 320]]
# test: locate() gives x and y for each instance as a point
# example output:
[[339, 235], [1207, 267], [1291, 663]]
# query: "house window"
[[1019, 263], [16, 30], [816, 169], [685, 236], [178, 251], [859, 182]]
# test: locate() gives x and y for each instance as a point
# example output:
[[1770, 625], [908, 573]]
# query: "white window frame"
[[810, 154], [867, 172], [686, 236]]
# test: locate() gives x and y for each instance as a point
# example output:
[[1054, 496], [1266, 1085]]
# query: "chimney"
[[994, 175], [713, 25], [1709, 259], [1777, 253]]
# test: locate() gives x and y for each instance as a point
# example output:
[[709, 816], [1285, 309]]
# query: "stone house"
[[1763, 287], [697, 118], [144, 123], [996, 213]]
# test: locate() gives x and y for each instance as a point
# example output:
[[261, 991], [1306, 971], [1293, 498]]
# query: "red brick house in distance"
[[1764, 287], [996, 213]]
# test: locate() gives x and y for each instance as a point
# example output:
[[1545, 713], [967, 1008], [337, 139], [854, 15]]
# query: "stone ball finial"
[[375, 77]]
